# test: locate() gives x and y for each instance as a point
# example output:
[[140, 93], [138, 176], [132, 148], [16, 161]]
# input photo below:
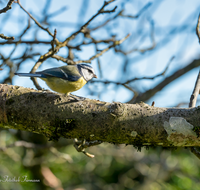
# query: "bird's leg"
[[46, 90], [75, 97]]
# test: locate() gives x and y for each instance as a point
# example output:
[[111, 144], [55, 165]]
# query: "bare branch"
[[25, 56], [148, 94], [53, 42], [106, 22], [103, 51], [139, 13], [25, 42], [197, 28], [71, 62], [193, 98], [6, 37], [121, 14], [136, 78], [65, 60], [77, 47], [142, 50], [36, 22], [151, 78], [82, 29], [57, 12], [10, 2], [33, 70]]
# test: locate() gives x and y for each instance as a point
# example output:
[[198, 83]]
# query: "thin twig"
[[151, 78], [25, 56], [195, 93], [139, 13], [82, 29], [197, 28], [65, 60], [25, 42], [36, 22], [33, 70], [25, 30], [57, 12], [149, 93], [142, 50], [118, 42], [106, 22], [77, 47], [71, 62], [98, 62], [8, 6], [136, 78], [6, 37], [53, 42]]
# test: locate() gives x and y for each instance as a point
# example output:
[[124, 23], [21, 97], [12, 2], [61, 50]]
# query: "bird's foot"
[[75, 97], [46, 90]]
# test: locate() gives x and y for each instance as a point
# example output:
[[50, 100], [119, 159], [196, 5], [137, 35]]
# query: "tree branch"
[[115, 43], [193, 98], [6, 37], [36, 22], [82, 29], [8, 6], [55, 115], [148, 94]]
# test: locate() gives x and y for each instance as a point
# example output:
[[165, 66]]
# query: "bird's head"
[[86, 71]]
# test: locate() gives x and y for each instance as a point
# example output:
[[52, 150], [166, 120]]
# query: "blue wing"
[[60, 72]]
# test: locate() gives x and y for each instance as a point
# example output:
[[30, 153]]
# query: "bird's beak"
[[95, 76]]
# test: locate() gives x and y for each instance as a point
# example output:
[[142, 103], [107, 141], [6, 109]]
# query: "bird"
[[65, 79]]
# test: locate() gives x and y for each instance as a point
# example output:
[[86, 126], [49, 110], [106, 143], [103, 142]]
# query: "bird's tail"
[[29, 74]]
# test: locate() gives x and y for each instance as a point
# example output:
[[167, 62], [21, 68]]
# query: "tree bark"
[[55, 115]]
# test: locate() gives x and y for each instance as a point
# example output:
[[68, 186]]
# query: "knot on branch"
[[117, 109]]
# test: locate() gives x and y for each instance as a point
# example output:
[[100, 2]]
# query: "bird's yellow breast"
[[64, 86]]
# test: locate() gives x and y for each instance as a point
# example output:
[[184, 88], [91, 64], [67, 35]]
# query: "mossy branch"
[[55, 115]]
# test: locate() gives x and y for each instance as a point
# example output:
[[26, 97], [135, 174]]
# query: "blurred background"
[[156, 63]]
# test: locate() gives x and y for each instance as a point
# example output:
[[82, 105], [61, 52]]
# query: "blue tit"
[[65, 79]]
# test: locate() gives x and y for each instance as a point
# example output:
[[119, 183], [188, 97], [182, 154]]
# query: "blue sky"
[[170, 14]]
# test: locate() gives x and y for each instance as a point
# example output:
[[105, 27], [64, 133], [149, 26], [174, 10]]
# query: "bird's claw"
[[77, 99]]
